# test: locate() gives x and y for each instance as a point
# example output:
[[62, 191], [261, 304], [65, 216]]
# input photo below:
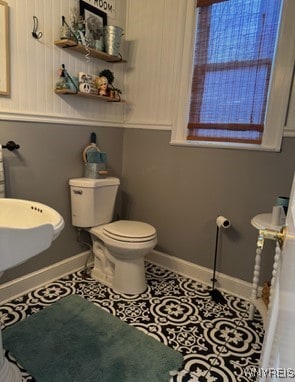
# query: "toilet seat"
[[130, 231]]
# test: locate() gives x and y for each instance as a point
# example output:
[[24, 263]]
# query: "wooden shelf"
[[88, 95], [70, 44]]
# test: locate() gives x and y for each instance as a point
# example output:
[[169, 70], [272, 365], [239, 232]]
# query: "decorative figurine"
[[103, 86], [62, 83], [112, 91]]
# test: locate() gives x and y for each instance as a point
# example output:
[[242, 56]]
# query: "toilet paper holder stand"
[[221, 222]]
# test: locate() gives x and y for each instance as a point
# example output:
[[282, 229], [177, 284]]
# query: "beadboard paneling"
[[34, 65], [153, 29]]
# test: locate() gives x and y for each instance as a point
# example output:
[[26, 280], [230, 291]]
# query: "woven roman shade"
[[234, 49]]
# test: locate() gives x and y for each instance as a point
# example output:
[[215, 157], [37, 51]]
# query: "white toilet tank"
[[93, 200]]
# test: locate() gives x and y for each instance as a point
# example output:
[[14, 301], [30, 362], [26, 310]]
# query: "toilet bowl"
[[119, 247], [124, 244]]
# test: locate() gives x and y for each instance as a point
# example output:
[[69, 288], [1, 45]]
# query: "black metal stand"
[[215, 294]]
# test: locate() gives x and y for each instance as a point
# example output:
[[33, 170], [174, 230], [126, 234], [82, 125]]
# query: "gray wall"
[[178, 190], [182, 190], [48, 157]]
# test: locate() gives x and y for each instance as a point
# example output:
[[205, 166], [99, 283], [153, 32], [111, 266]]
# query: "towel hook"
[[11, 145], [35, 34]]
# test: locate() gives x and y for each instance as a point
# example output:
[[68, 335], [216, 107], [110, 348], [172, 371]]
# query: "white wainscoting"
[[150, 80], [34, 65], [154, 31]]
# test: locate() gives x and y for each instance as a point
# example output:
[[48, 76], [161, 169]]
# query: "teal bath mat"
[[73, 340]]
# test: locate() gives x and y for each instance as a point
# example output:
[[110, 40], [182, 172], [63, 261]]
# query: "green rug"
[[73, 340]]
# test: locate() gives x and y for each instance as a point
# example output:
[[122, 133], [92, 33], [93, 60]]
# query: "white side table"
[[263, 221]]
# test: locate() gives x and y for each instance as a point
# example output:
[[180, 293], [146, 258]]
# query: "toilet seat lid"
[[129, 230]]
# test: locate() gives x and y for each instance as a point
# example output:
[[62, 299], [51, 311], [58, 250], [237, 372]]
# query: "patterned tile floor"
[[218, 341]]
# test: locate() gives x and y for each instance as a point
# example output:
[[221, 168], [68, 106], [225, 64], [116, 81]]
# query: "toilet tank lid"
[[93, 183]]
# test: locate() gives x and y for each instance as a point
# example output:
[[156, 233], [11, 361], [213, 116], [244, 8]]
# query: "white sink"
[[26, 229]]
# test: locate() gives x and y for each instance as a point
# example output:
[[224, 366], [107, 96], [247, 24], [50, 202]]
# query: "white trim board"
[[24, 284], [196, 272], [185, 268]]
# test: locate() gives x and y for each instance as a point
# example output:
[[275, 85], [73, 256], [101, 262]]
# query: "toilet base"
[[129, 276], [120, 264], [98, 275], [126, 278]]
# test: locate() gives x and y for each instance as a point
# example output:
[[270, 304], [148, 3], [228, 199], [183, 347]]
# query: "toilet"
[[119, 247]]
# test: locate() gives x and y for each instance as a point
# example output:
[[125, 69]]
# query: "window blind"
[[234, 49]]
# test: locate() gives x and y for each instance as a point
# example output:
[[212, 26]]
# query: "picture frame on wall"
[[95, 20], [4, 50]]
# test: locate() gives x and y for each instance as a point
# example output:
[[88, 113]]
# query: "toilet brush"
[[215, 293]]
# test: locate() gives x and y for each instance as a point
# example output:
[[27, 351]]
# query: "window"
[[233, 57], [238, 95]]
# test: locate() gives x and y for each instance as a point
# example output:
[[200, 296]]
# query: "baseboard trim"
[[27, 283], [22, 285], [225, 283]]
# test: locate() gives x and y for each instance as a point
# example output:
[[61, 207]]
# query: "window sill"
[[221, 145]]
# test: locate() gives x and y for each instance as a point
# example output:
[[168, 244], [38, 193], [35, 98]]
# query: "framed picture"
[[4, 49], [95, 20]]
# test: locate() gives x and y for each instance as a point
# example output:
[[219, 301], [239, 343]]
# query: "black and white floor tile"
[[218, 341]]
